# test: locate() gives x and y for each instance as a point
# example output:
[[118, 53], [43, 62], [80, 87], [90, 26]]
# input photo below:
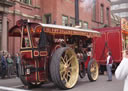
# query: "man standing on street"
[[17, 64], [109, 66]]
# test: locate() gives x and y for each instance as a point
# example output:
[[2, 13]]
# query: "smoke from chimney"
[[86, 4]]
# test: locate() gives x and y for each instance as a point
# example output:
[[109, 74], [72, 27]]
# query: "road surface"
[[83, 85]]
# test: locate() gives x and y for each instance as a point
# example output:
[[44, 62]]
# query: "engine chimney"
[[77, 12]]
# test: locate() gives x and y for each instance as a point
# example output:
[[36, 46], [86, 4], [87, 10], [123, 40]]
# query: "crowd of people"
[[9, 65]]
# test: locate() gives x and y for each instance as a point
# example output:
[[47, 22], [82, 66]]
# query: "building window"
[[80, 23], [47, 19], [94, 10], [65, 20], [102, 13], [72, 22], [107, 15], [85, 25], [29, 2]]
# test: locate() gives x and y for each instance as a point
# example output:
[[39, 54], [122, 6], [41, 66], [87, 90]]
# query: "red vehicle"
[[54, 53], [112, 39]]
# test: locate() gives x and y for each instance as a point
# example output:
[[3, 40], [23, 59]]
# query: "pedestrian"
[[10, 65], [4, 65], [17, 64], [121, 72], [109, 66]]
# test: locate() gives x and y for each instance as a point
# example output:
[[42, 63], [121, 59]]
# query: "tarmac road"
[[83, 85]]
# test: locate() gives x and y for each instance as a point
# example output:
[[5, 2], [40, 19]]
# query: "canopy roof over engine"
[[53, 29]]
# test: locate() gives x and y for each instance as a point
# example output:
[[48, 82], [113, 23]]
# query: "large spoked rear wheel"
[[93, 70], [64, 68]]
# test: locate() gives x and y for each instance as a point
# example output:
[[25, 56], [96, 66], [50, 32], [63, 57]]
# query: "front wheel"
[[22, 76], [64, 68], [93, 70], [82, 71]]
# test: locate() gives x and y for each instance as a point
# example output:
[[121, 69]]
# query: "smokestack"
[[76, 12]]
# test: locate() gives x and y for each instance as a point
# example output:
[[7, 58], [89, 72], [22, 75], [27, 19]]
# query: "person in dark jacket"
[[10, 65], [4, 66], [17, 64]]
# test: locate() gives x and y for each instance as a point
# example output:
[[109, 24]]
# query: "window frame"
[[29, 2], [94, 10], [108, 15], [102, 13], [80, 23], [83, 25], [45, 18], [72, 19], [23, 37], [66, 22]]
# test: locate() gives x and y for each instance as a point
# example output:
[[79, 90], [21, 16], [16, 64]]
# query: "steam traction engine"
[[55, 53]]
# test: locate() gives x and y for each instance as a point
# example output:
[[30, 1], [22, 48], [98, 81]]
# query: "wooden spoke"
[[65, 57], [63, 60], [68, 67], [94, 70], [66, 80], [69, 74], [63, 75], [61, 71], [69, 59]]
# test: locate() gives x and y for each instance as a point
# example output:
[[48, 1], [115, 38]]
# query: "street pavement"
[[101, 84]]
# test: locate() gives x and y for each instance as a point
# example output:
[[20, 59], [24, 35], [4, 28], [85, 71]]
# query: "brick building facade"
[[63, 12], [4, 7], [23, 9], [92, 14]]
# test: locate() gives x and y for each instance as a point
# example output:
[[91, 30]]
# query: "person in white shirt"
[[121, 72], [109, 66]]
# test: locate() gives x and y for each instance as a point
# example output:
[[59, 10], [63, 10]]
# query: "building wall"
[[97, 23], [49, 7], [22, 11], [4, 7], [67, 8]]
